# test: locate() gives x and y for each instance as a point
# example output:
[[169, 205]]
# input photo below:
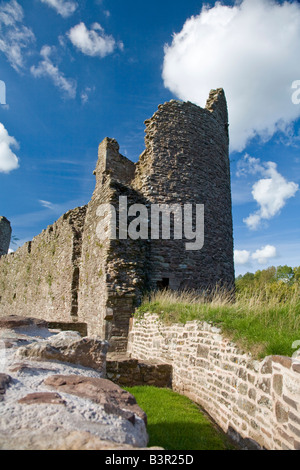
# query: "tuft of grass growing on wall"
[[265, 322], [176, 423]]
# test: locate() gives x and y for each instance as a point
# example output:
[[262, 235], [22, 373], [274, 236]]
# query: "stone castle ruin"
[[69, 274]]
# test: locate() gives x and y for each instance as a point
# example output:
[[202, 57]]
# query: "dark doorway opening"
[[163, 284]]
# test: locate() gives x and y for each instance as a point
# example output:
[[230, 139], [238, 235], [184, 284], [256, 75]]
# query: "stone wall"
[[112, 270], [128, 372], [256, 402], [41, 277], [5, 235]]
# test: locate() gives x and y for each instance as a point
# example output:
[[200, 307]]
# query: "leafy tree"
[[297, 274], [245, 282], [282, 281], [285, 273], [265, 276]]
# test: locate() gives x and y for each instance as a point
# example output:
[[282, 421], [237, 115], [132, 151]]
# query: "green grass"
[[264, 323], [176, 423]]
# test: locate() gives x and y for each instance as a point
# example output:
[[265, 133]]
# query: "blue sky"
[[78, 71]]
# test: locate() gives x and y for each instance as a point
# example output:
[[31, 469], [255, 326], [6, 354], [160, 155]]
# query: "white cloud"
[[241, 257], [46, 68], [10, 13], [85, 94], [93, 42], [264, 254], [271, 192], [46, 204], [62, 7], [249, 166], [8, 160], [249, 49], [14, 36]]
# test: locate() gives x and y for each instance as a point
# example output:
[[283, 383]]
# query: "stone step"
[[126, 371]]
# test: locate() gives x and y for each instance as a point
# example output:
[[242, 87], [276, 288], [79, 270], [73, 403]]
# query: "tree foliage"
[[283, 281]]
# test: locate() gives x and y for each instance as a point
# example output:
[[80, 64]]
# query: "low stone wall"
[[255, 402]]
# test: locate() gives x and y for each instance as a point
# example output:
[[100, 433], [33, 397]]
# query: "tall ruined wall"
[[112, 270], [5, 235], [40, 278], [186, 162]]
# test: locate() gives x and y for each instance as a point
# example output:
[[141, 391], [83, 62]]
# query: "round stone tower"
[[186, 164], [5, 235]]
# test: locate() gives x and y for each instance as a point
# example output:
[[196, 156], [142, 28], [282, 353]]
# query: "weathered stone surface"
[[266, 367], [102, 391], [16, 321], [47, 398], [296, 367], [68, 326], [282, 413], [202, 351], [54, 439], [33, 417], [5, 380], [68, 346], [292, 403], [278, 384], [5, 235], [284, 361], [23, 368], [294, 418], [126, 371]]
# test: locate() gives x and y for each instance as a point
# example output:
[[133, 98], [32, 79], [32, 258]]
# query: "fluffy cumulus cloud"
[[8, 160], [93, 42], [270, 192], [250, 49], [15, 37], [62, 7], [46, 68], [241, 257], [262, 256]]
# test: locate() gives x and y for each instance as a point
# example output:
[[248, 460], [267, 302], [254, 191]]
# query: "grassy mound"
[[265, 321]]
